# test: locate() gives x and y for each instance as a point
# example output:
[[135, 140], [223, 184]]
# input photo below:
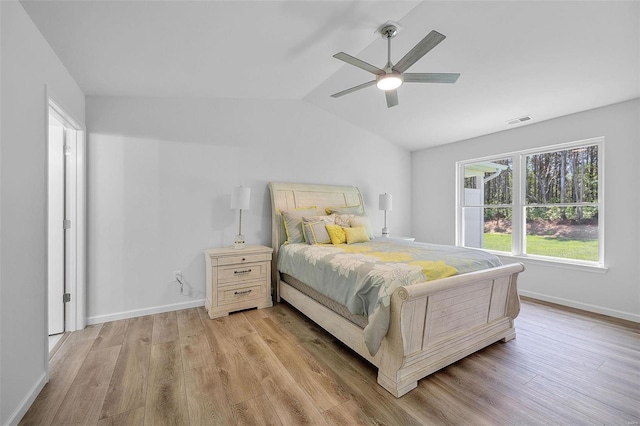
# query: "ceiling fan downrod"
[[389, 32]]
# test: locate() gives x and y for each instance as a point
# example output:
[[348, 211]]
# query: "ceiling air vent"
[[519, 120]]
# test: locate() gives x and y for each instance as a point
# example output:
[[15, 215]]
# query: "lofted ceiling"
[[539, 58]]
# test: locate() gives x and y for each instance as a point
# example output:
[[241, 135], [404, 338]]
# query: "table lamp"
[[385, 204], [240, 201]]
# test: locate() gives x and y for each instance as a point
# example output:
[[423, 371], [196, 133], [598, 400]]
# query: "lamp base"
[[385, 232], [238, 244]]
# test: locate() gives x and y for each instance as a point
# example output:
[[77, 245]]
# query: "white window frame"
[[518, 225]]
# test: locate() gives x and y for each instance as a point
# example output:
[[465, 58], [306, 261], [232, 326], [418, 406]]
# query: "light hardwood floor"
[[274, 366]]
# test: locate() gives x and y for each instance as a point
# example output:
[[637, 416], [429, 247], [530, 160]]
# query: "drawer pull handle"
[[245, 271], [238, 293]]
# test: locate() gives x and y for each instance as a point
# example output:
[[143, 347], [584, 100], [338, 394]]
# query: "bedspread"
[[363, 276]]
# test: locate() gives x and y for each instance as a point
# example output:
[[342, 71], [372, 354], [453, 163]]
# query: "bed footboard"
[[437, 323]]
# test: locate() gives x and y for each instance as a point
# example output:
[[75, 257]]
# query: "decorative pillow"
[[356, 235], [344, 219], [337, 234], [293, 223], [362, 221], [345, 210], [330, 219], [316, 232]]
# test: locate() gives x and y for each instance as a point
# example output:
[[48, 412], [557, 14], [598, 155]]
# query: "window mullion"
[[517, 212]]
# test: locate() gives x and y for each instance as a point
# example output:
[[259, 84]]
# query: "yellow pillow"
[[356, 235], [337, 234]]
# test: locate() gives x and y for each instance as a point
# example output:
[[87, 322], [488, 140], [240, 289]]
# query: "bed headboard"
[[285, 196]]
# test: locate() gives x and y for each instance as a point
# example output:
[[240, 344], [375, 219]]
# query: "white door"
[[70, 231], [66, 204], [56, 258]]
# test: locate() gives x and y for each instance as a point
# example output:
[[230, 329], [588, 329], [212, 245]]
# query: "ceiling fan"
[[392, 76]]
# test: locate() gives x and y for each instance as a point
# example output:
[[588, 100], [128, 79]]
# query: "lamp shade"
[[385, 202], [240, 198]]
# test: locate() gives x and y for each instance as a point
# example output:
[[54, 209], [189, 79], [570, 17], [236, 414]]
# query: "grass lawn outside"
[[546, 246]]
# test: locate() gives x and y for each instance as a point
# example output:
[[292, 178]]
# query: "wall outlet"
[[177, 275]]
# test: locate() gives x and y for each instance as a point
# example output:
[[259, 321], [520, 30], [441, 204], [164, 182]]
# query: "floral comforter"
[[363, 276]]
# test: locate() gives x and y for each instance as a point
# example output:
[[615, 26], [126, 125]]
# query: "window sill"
[[564, 264]]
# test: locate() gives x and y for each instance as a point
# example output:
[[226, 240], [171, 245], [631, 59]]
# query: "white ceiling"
[[541, 58]]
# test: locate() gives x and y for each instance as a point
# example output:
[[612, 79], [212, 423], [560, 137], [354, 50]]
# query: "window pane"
[[569, 176], [497, 229], [487, 228], [472, 189], [564, 232], [488, 182]]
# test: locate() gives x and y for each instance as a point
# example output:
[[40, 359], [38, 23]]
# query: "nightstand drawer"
[[240, 259], [252, 290], [236, 273]]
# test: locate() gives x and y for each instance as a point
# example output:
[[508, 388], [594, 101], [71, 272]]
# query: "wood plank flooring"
[[275, 367]]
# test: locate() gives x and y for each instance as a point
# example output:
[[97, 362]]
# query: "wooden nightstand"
[[237, 279]]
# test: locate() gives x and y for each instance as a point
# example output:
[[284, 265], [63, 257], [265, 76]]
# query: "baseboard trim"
[[142, 312], [26, 402], [583, 306]]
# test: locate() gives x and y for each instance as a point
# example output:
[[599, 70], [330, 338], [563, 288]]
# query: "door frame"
[[75, 240], [56, 232]]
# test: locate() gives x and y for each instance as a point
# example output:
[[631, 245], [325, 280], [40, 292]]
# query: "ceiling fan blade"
[[430, 41], [358, 63], [392, 98], [429, 77], [353, 89]]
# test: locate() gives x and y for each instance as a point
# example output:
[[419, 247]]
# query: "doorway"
[[56, 237], [66, 219]]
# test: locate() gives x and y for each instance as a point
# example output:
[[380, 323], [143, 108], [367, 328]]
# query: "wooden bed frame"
[[432, 325]]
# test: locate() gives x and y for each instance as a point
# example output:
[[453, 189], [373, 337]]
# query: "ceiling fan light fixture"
[[389, 81]]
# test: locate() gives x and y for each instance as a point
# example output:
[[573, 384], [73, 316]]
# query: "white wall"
[[27, 65], [616, 292], [161, 173]]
